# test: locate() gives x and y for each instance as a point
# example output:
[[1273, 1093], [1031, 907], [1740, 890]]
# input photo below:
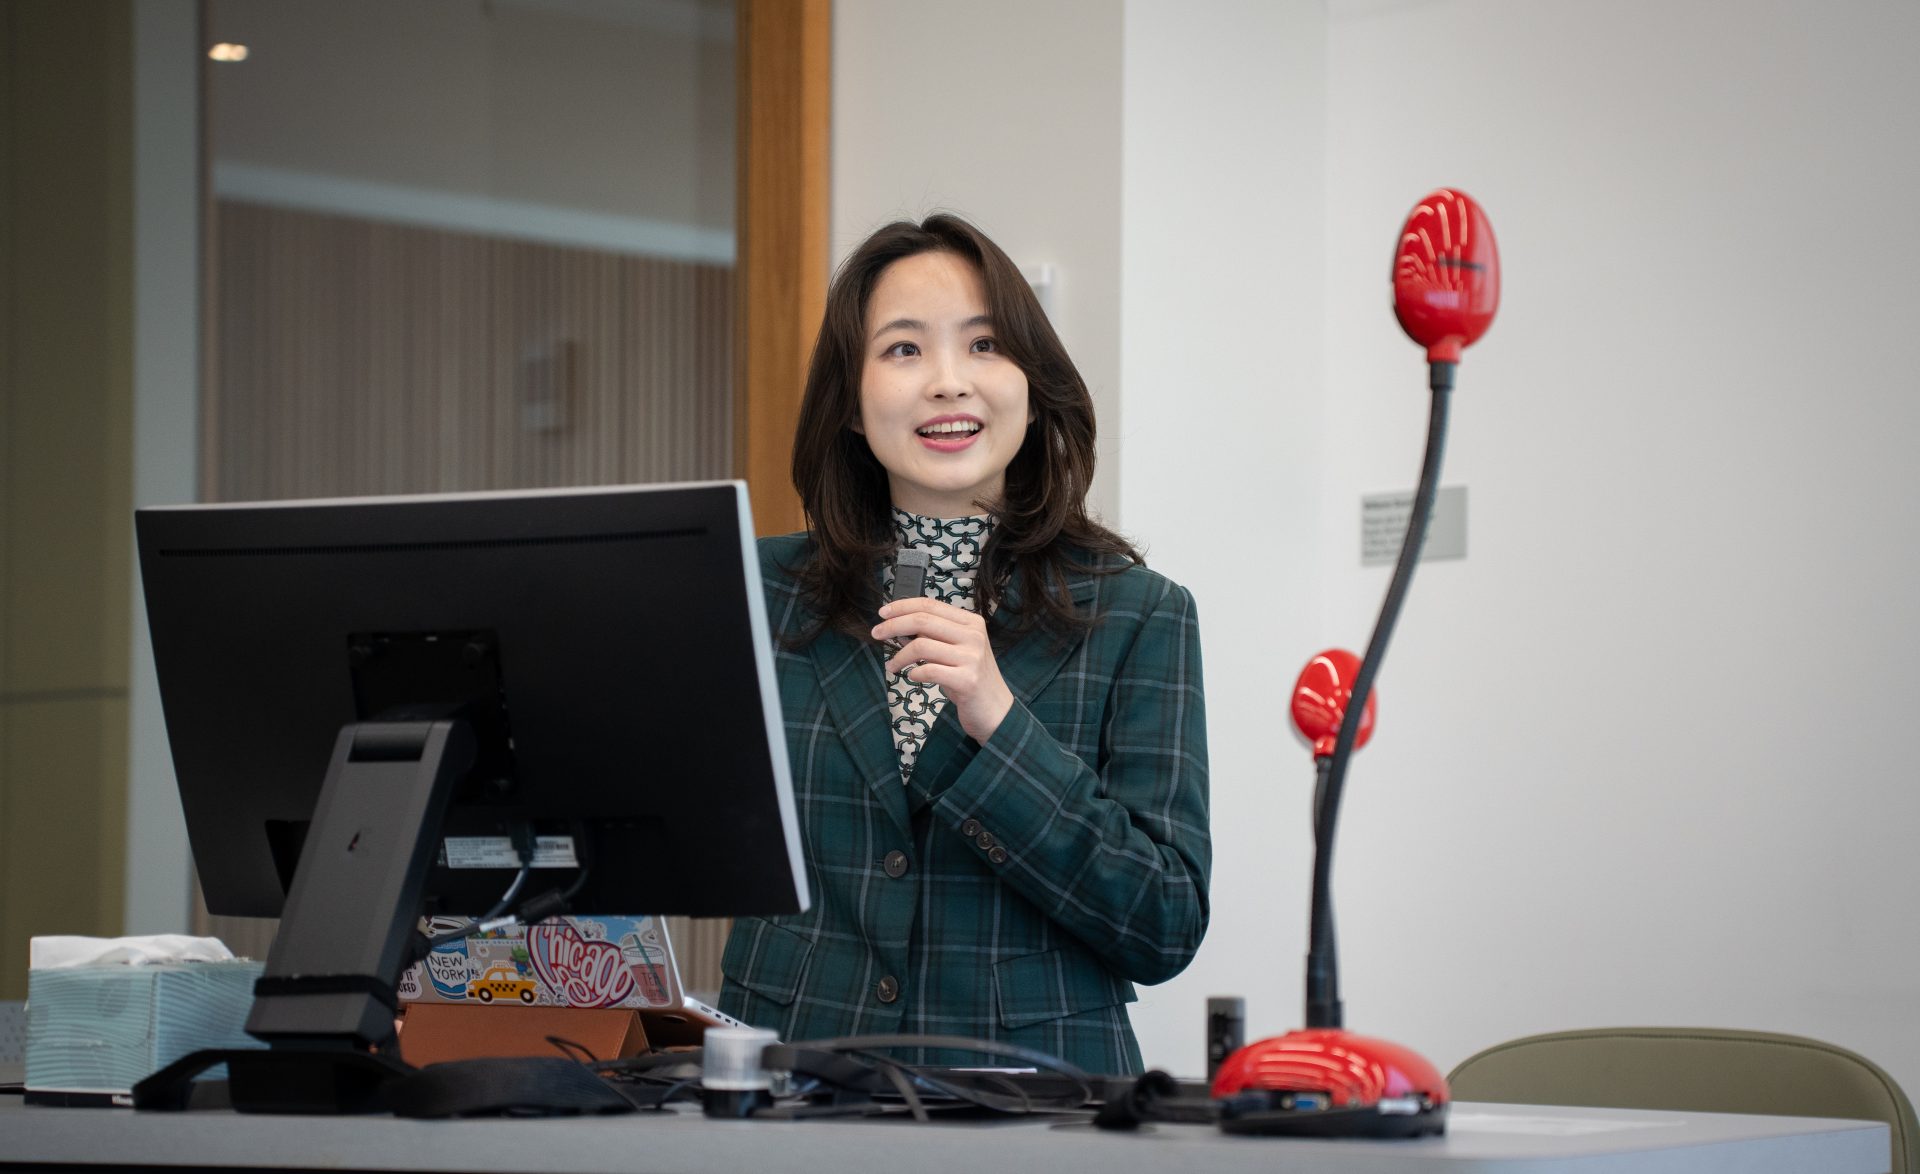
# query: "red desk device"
[[1323, 1080]]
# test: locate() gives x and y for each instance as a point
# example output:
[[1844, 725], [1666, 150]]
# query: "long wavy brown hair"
[[1043, 531]]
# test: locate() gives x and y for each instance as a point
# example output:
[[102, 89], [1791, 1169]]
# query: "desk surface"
[[1510, 1139]]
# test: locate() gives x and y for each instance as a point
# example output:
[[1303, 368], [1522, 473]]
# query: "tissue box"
[[93, 1032]]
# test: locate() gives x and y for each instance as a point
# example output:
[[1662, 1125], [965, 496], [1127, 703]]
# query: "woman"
[[1002, 783]]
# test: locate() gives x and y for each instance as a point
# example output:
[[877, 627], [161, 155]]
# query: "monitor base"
[[281, 1079]]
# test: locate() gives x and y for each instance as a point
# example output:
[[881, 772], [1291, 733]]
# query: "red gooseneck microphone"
[[1446, 275], [1323, 1080]]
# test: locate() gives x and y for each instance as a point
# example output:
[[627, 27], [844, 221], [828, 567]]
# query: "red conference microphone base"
[[1324, 1081], [1327, 1082]]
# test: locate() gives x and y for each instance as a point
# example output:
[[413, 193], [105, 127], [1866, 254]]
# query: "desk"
[[1495, 1139]]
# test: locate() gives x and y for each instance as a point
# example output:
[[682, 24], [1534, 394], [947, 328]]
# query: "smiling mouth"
[[954, 430]]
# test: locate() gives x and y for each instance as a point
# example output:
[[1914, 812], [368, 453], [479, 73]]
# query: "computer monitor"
[[372, 701]]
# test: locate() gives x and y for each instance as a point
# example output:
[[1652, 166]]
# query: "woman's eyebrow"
[[914, 324]]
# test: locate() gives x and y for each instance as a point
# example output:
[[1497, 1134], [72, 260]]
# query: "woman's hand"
[[947, 646]]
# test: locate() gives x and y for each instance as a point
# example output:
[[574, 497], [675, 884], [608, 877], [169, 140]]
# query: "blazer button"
[[998, 855], [984, 840], [895, 864], [970, 828], [888, 989]]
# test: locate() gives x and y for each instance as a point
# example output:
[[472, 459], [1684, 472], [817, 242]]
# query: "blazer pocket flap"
[[1034, 988], [768, 959]]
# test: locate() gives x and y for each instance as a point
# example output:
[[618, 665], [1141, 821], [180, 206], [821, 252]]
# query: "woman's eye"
[[985, 345], [901, 350]]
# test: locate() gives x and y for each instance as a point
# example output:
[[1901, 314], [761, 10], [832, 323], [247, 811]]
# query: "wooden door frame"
[[784, 76]]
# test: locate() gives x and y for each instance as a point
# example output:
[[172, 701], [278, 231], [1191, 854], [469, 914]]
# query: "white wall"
[[1221, 457], [1641, 755], [1008, 113]]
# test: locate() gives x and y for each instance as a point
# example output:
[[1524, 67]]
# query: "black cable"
[[951, 1043], [895, 1074], [522, 837], [1154, 1096], [1323, 983], [1013, 1091], [553, 903], [572, 1050], [675, 1070], [944, 1081], [672, 1090], [854, 1065]]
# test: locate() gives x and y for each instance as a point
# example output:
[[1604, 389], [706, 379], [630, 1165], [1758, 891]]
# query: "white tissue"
[[66, 951]]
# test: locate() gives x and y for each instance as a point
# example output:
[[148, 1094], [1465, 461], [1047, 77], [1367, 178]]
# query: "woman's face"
[[943, 410]]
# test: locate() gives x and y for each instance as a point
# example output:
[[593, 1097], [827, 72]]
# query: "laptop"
[[672, 1015], [577, 960]]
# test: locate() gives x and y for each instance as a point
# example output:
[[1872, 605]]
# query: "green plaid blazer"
[[1018, 889]]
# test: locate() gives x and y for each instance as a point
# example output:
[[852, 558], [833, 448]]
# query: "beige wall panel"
[[65, 766], [65, 469], [370, 358], [67, 384], [9, 80]]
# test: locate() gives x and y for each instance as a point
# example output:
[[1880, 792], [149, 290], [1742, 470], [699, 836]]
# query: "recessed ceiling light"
[[228, 51]]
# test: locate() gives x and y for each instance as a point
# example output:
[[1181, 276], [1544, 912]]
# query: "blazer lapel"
[[856, 696], [1027, 666], [1035, 659]]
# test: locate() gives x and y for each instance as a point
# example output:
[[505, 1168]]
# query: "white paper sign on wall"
[[1383, 525]]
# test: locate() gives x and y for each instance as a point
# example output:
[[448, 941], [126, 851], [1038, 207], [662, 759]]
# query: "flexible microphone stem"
[[1323, 963], [1323, 979]]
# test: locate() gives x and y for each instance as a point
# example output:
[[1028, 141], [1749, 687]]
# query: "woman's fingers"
[[927, 651], [930, 673], [928, 628], [947, 646], [929, 617]]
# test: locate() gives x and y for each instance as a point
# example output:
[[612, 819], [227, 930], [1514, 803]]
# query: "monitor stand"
[[325, 1005]]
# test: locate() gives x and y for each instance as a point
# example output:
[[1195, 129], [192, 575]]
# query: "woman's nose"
[[950, 379]]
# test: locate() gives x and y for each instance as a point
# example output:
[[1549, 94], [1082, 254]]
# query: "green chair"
[[1693, 1069]]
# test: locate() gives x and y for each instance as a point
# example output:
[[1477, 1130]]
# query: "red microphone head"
[[1446, 274], [1320, 698]]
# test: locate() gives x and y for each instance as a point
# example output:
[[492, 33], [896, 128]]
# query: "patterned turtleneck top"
[[953, 545]]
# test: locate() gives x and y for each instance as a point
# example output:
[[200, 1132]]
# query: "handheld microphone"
[[910, 569]]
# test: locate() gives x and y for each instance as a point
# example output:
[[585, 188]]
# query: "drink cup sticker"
[[449, 969], [646, 957]]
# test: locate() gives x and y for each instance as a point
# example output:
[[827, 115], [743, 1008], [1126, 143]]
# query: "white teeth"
[[953, 426]]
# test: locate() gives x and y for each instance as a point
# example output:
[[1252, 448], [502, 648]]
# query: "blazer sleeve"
[[1118, 857]]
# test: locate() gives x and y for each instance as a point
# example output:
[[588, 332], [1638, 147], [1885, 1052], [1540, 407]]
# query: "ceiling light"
[[228, 51]]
